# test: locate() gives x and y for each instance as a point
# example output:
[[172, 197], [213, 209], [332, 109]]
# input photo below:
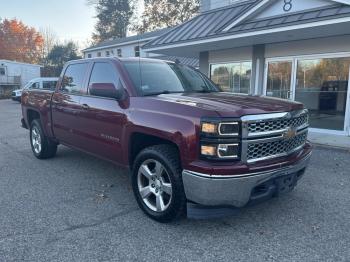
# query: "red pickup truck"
[[183, 139]]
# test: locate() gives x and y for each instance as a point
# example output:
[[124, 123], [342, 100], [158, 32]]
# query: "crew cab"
[[183, 139]]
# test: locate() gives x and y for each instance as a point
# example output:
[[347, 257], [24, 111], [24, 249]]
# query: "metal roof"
[[212, 24], [119, 41], [319, 14], [194, 62]]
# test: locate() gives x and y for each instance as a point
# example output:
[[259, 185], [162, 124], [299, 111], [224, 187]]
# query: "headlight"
[[221, 151], [229, 129], [220, 128], [209, 128]]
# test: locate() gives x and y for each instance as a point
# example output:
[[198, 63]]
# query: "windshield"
[[153, 78], [28, 85]]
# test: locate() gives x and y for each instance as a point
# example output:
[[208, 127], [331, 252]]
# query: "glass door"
[[279, 79], [322, 86]]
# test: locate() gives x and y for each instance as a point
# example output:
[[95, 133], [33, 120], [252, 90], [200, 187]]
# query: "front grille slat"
[[270, 136], [274, 125], [262, 150]]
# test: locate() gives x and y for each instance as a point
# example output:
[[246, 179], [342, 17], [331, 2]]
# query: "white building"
[[132, 47], [15, 75], [291, 49]]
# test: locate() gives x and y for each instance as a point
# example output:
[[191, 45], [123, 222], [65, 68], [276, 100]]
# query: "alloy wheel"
[[36, 140], [154, 185]]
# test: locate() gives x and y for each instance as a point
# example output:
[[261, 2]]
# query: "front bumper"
[[234, 190]]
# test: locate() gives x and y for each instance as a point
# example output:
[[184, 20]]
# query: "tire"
[[42, 146], [167, 184]]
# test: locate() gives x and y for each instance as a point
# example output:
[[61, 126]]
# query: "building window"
[[89, 56], [107, 53], [2, 71], [137, 51], [232, 77], [322, 86], [279, 79], [119, 52], [98, 54]]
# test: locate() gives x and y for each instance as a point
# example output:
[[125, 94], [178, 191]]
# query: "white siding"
[[231, 55], [26, 71], [127, 51], [309, 47]]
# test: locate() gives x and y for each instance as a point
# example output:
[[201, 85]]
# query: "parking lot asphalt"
[[79, 208]]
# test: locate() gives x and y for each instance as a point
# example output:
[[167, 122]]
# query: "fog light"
[[228, 150], [208, 150]]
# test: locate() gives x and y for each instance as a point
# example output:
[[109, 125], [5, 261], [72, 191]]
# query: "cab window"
[[73, 79]]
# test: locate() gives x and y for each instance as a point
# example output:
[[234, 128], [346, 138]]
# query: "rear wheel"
[[42, 146], [157, 183]]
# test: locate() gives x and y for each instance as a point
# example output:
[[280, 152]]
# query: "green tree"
[[58, 56], [166, 13], [114, 18]]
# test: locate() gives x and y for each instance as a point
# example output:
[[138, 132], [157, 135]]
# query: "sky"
[[68, 19]]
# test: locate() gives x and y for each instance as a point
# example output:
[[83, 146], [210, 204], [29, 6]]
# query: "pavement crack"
[[100, 222]]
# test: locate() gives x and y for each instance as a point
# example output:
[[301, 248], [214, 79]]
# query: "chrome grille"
[[264, 150], [279, 124], [273, 135]]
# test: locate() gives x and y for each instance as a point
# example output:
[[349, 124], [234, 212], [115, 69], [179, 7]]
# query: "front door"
[[102, 119], [279, 79]]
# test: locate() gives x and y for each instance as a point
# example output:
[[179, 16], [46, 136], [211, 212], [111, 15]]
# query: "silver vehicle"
[[47, 83]]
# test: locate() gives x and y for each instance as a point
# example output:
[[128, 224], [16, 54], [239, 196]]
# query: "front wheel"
[[42, 146], [157, 183]]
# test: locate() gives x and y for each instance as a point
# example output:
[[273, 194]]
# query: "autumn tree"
[[19, 42], [166, 13], [113, 18]]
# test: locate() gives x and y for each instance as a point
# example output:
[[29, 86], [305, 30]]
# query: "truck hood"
[[232, 105]]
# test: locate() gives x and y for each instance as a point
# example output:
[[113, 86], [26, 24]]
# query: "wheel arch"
[[139, 141]]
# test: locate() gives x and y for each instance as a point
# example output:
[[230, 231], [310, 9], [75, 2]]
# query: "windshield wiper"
[[165, 92]]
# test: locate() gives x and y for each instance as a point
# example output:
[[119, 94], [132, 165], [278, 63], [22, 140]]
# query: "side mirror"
[[106, 90]]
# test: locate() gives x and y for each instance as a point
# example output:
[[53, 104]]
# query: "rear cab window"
[[73, 79]]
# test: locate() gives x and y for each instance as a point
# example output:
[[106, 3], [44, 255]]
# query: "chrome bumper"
[[211, 190]]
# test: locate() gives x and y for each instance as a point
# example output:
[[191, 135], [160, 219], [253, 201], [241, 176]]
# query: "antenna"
[[140, 68]]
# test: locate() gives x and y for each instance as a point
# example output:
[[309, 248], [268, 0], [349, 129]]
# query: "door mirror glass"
[[106, 90]]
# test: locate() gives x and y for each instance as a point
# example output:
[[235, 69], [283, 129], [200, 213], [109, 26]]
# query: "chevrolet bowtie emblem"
[[290, 133]]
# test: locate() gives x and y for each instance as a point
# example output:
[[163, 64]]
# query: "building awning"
[[233, 23]]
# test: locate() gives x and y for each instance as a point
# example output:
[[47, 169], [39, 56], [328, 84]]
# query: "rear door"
[[102, 119], [66, 104]]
